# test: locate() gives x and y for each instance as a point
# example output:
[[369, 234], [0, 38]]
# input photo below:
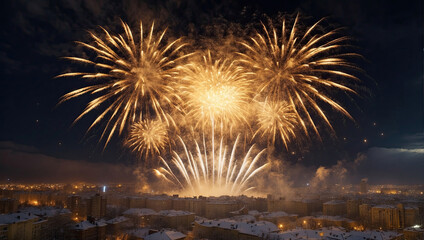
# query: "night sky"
[[39, 143]]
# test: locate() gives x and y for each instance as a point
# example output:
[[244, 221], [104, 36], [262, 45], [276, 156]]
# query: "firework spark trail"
[[229, 176], [298, 68], [133, 75]]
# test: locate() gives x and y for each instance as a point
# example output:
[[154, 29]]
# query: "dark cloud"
[[22, 163], [7, 145], [414, 141], [393, 165]]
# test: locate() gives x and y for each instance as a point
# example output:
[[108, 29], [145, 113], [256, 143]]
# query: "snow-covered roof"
[[165, 235], [333, 233], [138, 232], [84, 225], [334, 202], [333, 218], [411, 207], [308, 200], [16, 217], [254, 212], [139, 211], [159, 197], [220, 202], [119, 219], [174, 213], [243, 218], [259, 228], [276, 214], [46, 211], [416, 228], [384, 206]]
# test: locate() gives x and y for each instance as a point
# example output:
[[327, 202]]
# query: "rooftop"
[[46, 211], [119, 219], [277, 214], [165, 235], [333, 233], [174, 213], [139, 211], [16, 217], [84, 225], [259, 229], [334, 202]]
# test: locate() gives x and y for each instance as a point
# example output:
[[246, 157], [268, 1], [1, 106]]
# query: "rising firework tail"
[[197, 173]]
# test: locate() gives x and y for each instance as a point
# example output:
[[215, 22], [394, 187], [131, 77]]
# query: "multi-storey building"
[[18, 226], [352, 208], [386, 217], [219, 209], [96, 206], [303, 207], [158, 203], [334, 208], [365, 214], [363, 186], [87, 230], [8, 205]]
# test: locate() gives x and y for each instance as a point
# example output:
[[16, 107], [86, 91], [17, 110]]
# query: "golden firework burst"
[[147, 137], [215, 92], [131, 77], [300, 68], [276, 118]]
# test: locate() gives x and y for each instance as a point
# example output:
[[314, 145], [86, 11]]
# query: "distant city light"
[[104, 188]]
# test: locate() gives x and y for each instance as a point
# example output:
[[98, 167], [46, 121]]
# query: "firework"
[[215, 92], [276, 118], [147, 137], [299, 68], [132, 76], [195, 173]]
